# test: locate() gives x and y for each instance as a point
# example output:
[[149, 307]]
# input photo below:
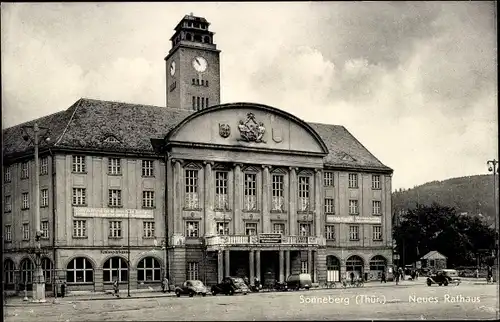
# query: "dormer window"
[[111, 139]]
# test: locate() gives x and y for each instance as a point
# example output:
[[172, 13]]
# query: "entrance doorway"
[[269, 267], [239, 265], [354, 264], [332, 269]]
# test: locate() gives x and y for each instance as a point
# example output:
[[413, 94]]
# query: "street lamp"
[[35, 134], [493, 167]]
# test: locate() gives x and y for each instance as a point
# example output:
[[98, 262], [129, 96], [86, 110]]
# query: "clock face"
[[172, 68], [200, 64]]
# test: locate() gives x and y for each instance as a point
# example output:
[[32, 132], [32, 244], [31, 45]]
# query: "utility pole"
[[493, 167], [128, 253], [32, 134]]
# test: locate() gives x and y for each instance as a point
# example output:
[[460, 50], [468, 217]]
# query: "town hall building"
[[193, 190]]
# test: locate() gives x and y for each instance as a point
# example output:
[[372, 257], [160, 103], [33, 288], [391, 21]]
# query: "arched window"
[[197, 38], [189, 37], [115, 268], [47, 268], [27, 268], [149, 270], [80, 270], [378, 263], [206, 39], [8, 272], [354, 263]]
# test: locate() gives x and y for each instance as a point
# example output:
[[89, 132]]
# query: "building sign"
[[354, 220], [114, 251], [270, 238], [112, 213]]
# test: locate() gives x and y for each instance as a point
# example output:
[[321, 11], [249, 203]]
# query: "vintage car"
[[191, 288], [230, 285], [444, 277], [298, 281]]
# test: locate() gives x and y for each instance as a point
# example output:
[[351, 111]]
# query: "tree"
[[436, 227]]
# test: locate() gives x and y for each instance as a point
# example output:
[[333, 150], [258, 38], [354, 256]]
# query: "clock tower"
[[192, 65]]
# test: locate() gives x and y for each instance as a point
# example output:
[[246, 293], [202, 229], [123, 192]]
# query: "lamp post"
[[32, 133], [128, 253]]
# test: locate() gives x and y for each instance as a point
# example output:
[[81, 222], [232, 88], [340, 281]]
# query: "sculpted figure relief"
[[250, 130]]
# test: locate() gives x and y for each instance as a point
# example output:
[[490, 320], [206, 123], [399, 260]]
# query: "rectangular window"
[[8, 204], [202, 103], [79, 228], [115, 198], [148, 229], [44, 166], [115, 229], [304, 230], [193, 271], [353, 207], [192, 229], [223, 228], [26, 231], [114, 166], [376, 207], [8, 233], [191, 198], [375, 181], [194, 101], [279, 228], [25, 170], [330, 232], [304, 267], [44, 198], [147, 168], [45, 229], [328, 179], [377, 232], [303, 193], [26, 201], [197, 103], [221, 193], [250, 228], [353, 180], [250, 201], [278, 193], [79, 164], [329, 206], [148, 199], [7, 175], [79, 196], [354, 232], [206, 99]]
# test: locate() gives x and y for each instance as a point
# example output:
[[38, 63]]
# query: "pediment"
[[279, 171], [251, 169], [192, 166]]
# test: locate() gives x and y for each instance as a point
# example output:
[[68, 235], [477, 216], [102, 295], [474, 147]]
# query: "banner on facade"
[[270, 238], [354, 219], [112, 213]]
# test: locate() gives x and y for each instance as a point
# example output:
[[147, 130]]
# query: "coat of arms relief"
[[251, 130]]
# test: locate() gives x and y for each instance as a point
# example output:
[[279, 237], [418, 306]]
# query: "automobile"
[[191, 288], [230, 286], [444, 277], [298, 281]]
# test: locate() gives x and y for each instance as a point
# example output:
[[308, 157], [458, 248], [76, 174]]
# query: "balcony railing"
[[244, 240]]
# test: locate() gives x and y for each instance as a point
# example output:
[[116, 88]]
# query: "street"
[[418, 301]]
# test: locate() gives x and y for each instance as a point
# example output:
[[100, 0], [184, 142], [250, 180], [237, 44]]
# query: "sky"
[[414, 82]]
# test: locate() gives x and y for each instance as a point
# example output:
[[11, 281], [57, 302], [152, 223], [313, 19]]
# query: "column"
[[282, 265], [177, 197], [287, 264], [226, 264], [293, 201], [317, 203], [238, 184], [257, 265], [220, 266], [266, 222], [208, 205], [251, 262], [315, 266], [309, 261]]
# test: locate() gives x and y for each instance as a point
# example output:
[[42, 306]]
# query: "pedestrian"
[[116, 288], [490, 274], [63, 289], [416, 275], [164, 285], [352, 277], [396, 276], [477, 273], [383, 279]]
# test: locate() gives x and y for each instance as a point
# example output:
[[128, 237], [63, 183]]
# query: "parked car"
[[298, 281], [191, 288], [444, 277], [230, 286]]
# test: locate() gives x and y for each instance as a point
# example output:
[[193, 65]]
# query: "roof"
[[433, 254], [108, 126]]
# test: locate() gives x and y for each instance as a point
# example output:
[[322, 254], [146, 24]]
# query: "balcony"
[[262, 240]]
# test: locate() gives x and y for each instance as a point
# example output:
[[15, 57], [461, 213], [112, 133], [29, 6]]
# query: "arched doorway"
[[332, 269], [9, 269], [148, 270], [355, 265], [115, 268], [378, 264], [26, 269]]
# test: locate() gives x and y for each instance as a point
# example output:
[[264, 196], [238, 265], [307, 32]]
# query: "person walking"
[[63, 289], [490, 274], [116, 288], [396, 276], [164, 285], [383, 277]]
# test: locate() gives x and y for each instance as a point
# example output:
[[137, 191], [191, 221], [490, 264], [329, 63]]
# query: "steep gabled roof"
[[89, 124], [433, 254]]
